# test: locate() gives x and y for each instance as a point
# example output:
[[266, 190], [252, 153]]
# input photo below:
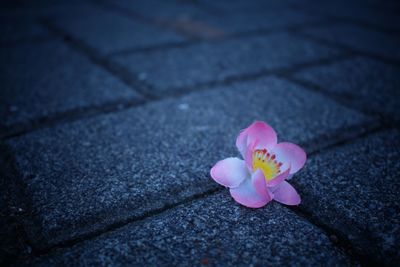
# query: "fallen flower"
[[260, 177]]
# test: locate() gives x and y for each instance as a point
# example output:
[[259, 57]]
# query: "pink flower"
[[260, 177]]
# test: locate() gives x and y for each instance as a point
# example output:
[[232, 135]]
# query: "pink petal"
[[229, 172], [292, 154], [279, 178], [247, 195], [286, 194], [241, 143], [259, 133], [259, 182], [248, 157]]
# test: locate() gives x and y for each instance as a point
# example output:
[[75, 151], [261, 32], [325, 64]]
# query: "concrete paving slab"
[[365, 83], [380, 15], [84, 176], [213, 231], [354, 189], [108, 32], [43, 79], [13, 30], [218, 61], [357, 38]]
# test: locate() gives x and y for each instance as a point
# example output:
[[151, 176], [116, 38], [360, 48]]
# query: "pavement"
[[113, 112]]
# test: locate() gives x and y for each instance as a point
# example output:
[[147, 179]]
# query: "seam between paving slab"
[[192, 41], [338, 240], [114, 106], [118, 224], [95, 58], [328, 20], [68, 116], [131, 81], [347, 48], [145, 90], [197, 40], [384, 119], [342, 244], [142, 88], [134, 15], [104, 108], [227, 37], [90, 111], [109, 108]]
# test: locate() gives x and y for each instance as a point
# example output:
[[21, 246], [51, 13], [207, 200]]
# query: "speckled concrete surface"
[[113, 112], [88, 174]]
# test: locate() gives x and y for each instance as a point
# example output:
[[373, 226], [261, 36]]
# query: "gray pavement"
[[113, 112]]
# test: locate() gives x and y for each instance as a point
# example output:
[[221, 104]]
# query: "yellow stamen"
[[267, 163]]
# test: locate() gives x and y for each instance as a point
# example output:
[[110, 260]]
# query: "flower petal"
[[229, 172], [241, 143], [259, 133], [279, 178], [248, 157], [259, 182], [292, 154], [286, 194], [247, 195]]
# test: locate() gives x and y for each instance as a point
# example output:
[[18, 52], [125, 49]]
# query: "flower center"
[[267, 163]]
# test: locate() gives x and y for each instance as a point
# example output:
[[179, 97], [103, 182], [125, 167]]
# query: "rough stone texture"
[[8, 231], [362, 82], [12, 245], [214, 231], [132, 187], [108, 32], [365, 40], [205, 62], [355, 190], [88, 174], [43, 79]]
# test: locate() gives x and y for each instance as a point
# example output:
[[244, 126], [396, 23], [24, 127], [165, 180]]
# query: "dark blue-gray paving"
[[210, 17], [161, 11], [364, 83], [52, 10], [122, 32], [355, 189], [94, 172], [13, 30], [364, 13], [358, 38], [43, 79], [248, 7], [206, 62], [263, 20], [212, 231]]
